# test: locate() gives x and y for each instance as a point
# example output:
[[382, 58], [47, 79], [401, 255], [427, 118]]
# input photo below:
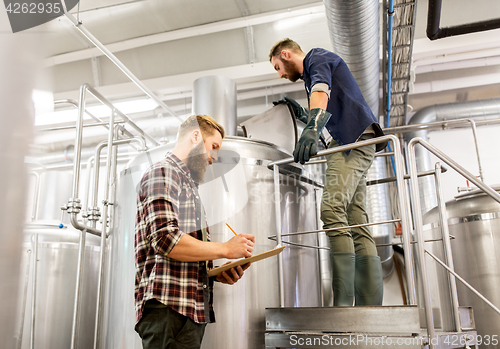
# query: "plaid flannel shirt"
[[168, 206]]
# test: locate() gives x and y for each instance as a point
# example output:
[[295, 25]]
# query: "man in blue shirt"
[[336, 105]]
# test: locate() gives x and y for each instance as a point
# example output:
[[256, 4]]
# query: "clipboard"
[[257, 257]]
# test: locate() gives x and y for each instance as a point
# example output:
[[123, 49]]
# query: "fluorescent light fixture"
[[100, 111], [296, 22], [43, 101]]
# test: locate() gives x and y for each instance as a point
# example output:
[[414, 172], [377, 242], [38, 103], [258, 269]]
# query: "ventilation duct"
[[215, 96], [354, 31], [480, 109]]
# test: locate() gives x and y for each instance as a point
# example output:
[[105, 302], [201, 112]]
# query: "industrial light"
[[100, 111]]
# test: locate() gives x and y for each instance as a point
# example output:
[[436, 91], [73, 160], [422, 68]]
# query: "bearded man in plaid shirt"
[[173, 252]]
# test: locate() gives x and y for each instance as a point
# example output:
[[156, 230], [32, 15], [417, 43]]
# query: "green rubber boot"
[[343, 267], [368, 281]]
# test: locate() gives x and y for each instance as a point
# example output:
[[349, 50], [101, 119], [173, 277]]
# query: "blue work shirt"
[[351, 115]]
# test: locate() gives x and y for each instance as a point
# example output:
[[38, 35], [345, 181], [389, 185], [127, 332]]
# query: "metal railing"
[[402, 200], [448, 123], [422, 268], [74, 206]]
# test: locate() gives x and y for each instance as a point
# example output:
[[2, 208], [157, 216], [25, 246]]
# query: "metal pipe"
[[404, 201], [338, 228], [33, 301], [112, 158], [34, 210], [474, 134], [402, 198], [393, 179], [124, 157], [74, 203], [434, 32], [323, 161], [78, 25], [104, 226], [79, 277], [448, 256], [437, 125], [97, 157], [321, 268], [72, 126], [85, 205], [462, 171], [277, 207], [339, 149], [390, 14], [491, 305], [477, 110], [110, 105], [421, 264], [327, 248], [75, 104], [25, 298]]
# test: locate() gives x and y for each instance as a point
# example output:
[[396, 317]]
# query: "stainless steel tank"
[[474, 220], [20, 62], [54, 286], [215, 95], [238, 190], [56, 270]]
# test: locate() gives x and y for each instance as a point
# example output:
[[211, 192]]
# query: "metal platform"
[[358, 327]]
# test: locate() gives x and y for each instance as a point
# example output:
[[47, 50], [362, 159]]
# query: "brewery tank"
[[239, 190], [52, 284], [57, 251], [474, 221]]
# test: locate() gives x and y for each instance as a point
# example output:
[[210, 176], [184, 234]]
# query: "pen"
[[231, 229]]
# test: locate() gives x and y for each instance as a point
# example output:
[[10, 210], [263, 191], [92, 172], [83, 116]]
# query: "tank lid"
[[475, 193]]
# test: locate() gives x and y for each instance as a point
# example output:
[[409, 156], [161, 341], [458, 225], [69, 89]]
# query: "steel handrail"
[[337, 228], [445, 123], [445, 233], [402, 198], [421, 264], [78, 25]]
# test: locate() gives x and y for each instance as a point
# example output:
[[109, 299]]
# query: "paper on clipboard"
[[257, 257]]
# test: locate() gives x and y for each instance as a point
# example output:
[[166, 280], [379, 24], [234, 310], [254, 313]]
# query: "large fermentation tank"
[[56, 268], [55, 284], [474, 221], [238, 190], [20, 63]]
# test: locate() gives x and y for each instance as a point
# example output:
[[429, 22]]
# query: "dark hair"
[[205, 123], [281, 45]]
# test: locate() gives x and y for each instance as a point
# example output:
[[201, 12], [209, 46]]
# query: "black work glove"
[[299, 112], [307, 146]]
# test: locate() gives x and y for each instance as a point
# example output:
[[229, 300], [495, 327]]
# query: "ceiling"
[[169, 44]]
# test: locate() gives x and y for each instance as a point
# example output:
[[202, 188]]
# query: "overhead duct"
[[480, 109], [354, 31], [215, 96]]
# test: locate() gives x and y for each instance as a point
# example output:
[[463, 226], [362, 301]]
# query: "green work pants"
[[344, 200]]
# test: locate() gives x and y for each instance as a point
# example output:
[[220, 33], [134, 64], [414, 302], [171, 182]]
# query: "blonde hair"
[[205, 123], [285, 44]]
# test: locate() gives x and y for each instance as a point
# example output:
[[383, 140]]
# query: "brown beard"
[[197, 162], [291, 72]]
